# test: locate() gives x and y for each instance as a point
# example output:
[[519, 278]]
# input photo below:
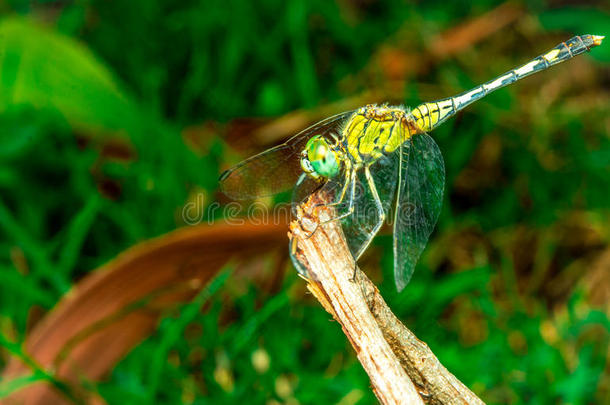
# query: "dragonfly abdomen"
[[430, 115]]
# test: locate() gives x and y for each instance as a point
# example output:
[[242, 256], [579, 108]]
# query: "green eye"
[[322, 157]]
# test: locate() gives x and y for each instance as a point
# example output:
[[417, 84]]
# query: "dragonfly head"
[[318, 159]]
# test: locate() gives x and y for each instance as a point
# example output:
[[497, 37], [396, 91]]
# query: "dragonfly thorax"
[[377, 130]]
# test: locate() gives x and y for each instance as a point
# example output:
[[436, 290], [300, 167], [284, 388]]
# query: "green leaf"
[[45, 69]]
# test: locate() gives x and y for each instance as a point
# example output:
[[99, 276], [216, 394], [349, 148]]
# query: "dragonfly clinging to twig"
[[376, 161]]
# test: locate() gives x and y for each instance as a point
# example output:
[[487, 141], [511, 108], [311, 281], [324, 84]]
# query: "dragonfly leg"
[[378, 203], [301, 271], [346, 184], [350, 210], [350, 207], [353, 278], [380, 212], [379, 207]]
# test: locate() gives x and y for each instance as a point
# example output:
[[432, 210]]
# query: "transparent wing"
[[276, 169], [306, 186], [360, 227], [420, 196]]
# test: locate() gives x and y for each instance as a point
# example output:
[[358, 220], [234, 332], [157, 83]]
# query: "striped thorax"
[[376, 130]]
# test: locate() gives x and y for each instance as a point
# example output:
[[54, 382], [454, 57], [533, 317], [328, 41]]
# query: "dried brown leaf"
[[118, 305]]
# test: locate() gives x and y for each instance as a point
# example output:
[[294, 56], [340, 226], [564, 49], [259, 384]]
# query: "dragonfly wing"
[[420, 195], [360, 227], [276, 169], [273, 171], [304, 187]]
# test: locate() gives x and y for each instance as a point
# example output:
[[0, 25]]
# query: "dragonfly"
[[376, 163]]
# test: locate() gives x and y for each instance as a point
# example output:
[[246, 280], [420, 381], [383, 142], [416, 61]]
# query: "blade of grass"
[[16, 349], [172, 332], [32, 248], [75, 234]]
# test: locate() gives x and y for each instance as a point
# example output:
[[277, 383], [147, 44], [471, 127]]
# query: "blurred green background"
[[115, 115]]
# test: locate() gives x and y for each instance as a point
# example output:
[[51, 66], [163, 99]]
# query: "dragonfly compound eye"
[[321, 157], [306, 165]]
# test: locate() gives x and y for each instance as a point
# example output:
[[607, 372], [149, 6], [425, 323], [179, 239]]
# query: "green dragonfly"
[[377, 162]]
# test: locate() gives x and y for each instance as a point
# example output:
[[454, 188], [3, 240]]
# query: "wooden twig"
[[402, 368], [330, 267], [422, 366]]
